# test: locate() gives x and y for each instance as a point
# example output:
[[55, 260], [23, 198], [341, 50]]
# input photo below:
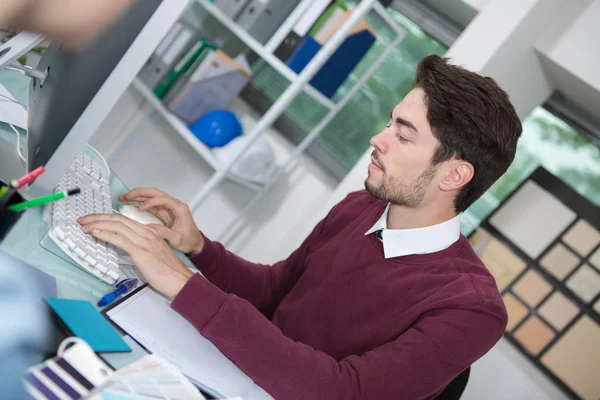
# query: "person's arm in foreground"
[[74, 23], [416, 364]]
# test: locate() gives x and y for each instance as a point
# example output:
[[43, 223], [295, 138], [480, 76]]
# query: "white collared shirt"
[[404, 242]]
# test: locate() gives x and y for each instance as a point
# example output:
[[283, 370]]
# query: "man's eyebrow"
[[406, 123]]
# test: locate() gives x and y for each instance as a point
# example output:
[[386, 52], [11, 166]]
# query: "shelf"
[[177, 124], [262, 52], [187, 135]]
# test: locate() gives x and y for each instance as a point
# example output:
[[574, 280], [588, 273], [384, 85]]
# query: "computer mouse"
[[143, 217]]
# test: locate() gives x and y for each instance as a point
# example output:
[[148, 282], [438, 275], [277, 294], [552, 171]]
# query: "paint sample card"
[[533, 218]]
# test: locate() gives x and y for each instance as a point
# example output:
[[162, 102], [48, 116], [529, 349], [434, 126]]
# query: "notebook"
[[85, 322]]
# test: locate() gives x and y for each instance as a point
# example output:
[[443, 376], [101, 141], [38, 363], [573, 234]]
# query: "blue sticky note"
[[84, 321]]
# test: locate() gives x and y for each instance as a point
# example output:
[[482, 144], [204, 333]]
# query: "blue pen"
[[122, 288]]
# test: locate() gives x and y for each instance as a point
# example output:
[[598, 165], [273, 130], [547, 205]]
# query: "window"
[[347, 136], [549, 142]]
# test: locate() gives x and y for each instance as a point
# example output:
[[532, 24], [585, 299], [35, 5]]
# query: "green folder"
[[181, 68], [325, 16]]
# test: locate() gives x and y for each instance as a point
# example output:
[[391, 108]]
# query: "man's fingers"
[[169, 235], [133, 225], [175, 206], [136, 193], [119, 228], [115, 239]]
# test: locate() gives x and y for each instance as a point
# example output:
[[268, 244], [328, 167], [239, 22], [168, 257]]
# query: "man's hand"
[[155, 260], [181, 230]]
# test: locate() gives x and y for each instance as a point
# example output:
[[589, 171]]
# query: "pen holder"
[[8, 219]]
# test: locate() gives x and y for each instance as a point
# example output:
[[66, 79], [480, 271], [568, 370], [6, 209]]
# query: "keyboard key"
[[79, 252], [70, 244], [59, 232], [113, 274], [101, 268], [90, 260]]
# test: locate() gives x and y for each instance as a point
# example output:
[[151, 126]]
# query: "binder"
[[335, 71], [181, 68], [261, 18], [333, 74], [216, 82], [327, 14], [231, 8], [171, 49]]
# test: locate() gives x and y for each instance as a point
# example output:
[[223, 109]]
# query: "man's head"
[[447, 142]]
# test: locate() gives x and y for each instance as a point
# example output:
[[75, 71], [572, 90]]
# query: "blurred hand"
[[181, 231], [74, 23], [153, 257]]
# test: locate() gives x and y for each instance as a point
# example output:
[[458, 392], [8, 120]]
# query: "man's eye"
[[401, 138], [388, 125]]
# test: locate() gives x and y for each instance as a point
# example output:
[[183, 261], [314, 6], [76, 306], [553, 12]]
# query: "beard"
[[404, 194]]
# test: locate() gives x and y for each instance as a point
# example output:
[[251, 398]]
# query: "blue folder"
[[86, 322], [335, 71]]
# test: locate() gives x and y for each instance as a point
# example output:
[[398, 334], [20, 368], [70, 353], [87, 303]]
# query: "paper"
[[10, 112], [149, 319], [87, 323]]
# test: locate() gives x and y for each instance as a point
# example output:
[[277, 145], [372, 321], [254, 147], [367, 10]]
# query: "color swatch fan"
[[149, 378]]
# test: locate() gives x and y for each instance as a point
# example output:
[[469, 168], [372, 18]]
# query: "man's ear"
[[460, 173]]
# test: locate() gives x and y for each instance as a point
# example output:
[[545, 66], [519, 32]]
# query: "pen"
[[122, 288], [27, 179], [17, 184], [43, 200]]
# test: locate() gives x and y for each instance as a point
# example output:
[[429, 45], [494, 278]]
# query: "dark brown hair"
[[473, 120]]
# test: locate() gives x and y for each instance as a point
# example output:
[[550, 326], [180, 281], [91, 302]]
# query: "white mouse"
[[143, 217]]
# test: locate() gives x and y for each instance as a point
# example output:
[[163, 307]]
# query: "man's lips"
[[374, 162]]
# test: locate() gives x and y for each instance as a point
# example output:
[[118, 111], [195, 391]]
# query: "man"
[[385, 299]]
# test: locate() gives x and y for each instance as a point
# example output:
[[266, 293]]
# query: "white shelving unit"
[[187, 135], [298, 84]]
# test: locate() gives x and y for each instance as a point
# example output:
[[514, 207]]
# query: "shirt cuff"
[[199, 301], [207, 260]]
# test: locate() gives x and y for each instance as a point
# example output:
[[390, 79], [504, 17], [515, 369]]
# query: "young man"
[[385, 299]]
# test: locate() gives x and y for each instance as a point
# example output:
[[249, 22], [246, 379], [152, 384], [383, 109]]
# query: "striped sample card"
[[70, 376]]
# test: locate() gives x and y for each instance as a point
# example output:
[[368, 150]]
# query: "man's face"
[[400, 171]]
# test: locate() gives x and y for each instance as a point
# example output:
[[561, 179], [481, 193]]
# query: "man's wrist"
[[198, 247]]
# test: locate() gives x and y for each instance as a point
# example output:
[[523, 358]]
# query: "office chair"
[[456, 387]]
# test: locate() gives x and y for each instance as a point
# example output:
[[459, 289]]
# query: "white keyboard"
[[94, 256]]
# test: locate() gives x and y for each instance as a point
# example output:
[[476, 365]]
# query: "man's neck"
[[402, 217]]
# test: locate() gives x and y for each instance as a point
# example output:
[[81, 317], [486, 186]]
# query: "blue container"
[[217, 128]]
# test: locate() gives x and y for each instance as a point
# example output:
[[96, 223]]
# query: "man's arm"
[[264, 286], [416, 365]]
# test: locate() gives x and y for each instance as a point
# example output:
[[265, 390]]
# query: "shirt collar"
[[404, 242]]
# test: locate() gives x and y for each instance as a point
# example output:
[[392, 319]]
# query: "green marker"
[[43, 200]]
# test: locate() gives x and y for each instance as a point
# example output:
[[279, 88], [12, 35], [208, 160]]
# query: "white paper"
[[148, 318], [11, 113]]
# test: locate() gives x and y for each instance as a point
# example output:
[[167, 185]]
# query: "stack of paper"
[[148, 318]]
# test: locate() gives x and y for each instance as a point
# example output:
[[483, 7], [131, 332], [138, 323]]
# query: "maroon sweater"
[[336, 320]]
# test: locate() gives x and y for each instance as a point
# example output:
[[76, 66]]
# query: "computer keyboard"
[[94, 256]]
